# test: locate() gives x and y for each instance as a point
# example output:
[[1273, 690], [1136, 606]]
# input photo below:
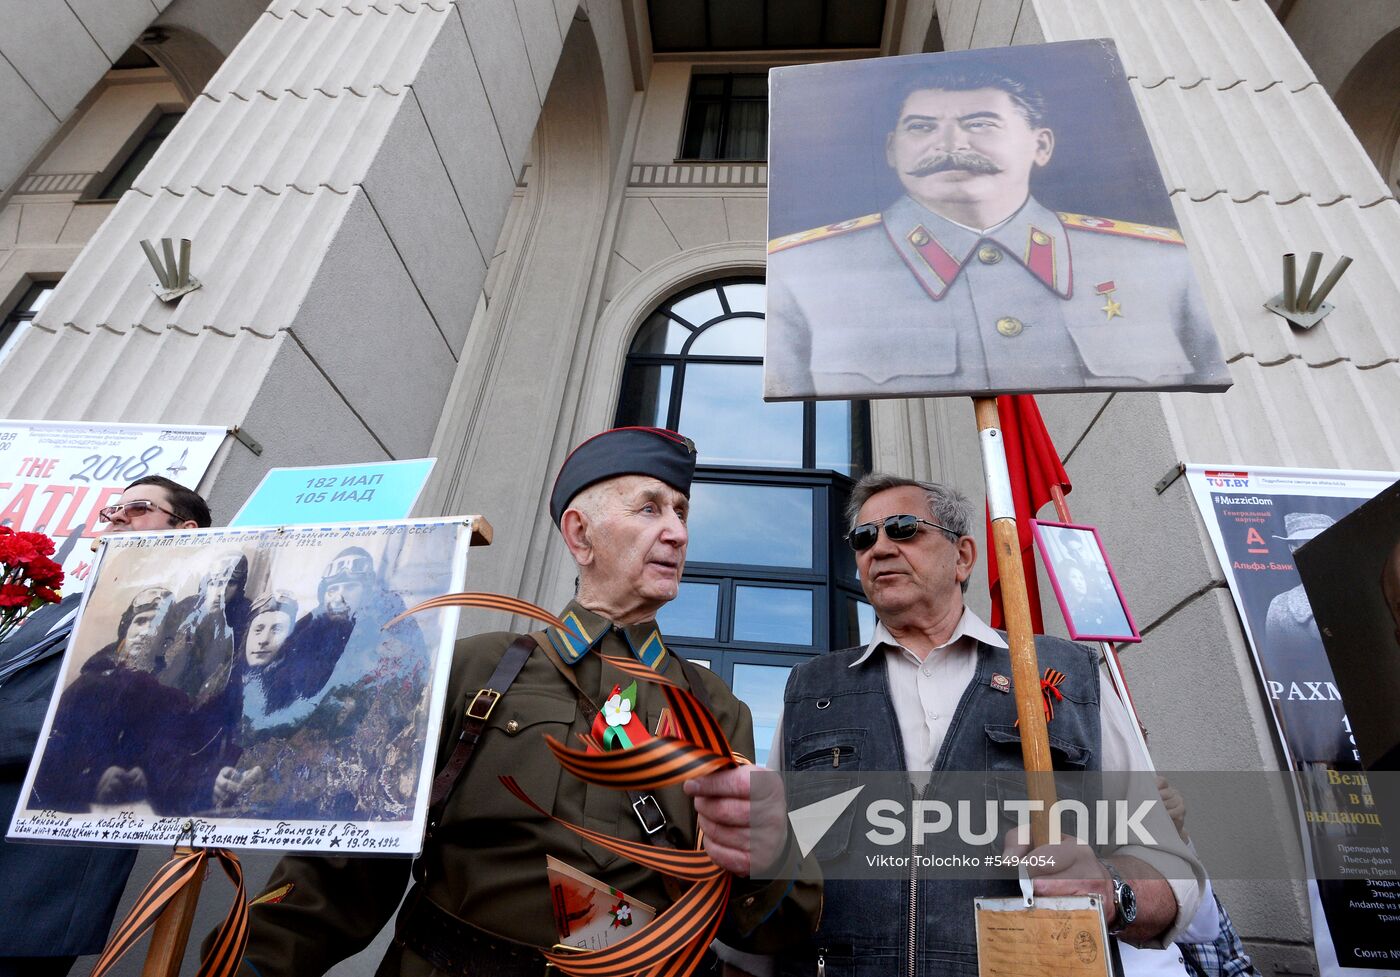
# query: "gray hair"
[[949, 507]]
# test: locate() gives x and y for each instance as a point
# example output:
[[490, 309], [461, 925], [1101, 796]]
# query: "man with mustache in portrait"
[[967, 283]]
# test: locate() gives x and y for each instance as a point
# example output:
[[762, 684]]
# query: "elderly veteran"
[[482, 903]]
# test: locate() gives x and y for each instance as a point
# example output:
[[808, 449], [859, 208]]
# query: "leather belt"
[[459, 949]]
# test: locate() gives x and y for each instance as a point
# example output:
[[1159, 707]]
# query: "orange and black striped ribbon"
[[701, 747], [497, 602], [676, 940], [1049, 690], [674, 943], [185, 869]]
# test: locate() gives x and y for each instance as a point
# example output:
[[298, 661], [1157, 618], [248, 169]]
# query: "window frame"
[[831, 577], [860, 410], [725, 100], [17, 320], [102, 183]]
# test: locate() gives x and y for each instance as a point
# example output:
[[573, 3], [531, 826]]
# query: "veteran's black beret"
[[662, 454]]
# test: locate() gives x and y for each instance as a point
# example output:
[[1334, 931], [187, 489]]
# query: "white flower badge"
[[617, 711], [621, 914]]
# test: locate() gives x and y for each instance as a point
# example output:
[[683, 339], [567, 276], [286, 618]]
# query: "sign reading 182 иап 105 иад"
[[55, 476], [336, 493]]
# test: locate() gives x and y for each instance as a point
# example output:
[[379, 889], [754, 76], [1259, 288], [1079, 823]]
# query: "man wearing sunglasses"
[[931, 692], [47, 916]]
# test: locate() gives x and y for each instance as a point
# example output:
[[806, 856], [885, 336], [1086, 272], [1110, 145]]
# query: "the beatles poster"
[[249, 680], [974, 222], [55, 476], [1258, 518]]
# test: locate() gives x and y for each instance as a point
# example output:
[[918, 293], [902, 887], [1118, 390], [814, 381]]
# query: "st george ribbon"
[[675, 942]]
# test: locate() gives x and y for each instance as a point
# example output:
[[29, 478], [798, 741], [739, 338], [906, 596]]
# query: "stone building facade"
[[443, 228]]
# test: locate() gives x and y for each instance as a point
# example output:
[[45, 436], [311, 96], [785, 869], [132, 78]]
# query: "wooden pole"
[[1025, 667], [171, 932]]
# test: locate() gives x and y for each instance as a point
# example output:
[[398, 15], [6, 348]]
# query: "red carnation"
[[28, 578], [16, 550], [41, 543], [45, 572]]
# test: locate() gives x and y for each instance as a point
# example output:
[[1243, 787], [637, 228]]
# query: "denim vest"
[[833, 710]]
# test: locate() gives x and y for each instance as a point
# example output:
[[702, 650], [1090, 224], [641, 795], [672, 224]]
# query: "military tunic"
[[907, 302], [487, 861]]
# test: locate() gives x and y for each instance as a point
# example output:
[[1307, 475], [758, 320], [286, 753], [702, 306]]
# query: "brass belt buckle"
[[482, 704], [551, 967], [648, 802]]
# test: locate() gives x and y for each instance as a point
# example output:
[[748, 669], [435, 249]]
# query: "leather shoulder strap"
[[474, 724], [693, 679]]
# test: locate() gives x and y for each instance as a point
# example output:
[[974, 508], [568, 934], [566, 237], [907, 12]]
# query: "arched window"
[[768, 579]]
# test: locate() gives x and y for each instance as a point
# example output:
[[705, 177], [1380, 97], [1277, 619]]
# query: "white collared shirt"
[[926, 692]]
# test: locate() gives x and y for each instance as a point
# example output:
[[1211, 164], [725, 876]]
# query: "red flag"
[[1035, 467]]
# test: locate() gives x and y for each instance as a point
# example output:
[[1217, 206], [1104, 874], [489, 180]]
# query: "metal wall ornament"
[[173, 277], [1299, 303]]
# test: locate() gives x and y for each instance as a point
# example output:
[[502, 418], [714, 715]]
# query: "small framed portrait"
[[1085, 585]]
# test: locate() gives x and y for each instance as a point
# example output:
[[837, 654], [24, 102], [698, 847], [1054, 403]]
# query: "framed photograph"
[[249, 680], [1085, 585], [973, 223]]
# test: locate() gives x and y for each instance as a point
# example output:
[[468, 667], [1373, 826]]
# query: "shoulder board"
[[818, 233], [1105, 225]]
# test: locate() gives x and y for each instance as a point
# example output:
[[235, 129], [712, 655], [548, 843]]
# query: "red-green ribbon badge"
[[617, 725], [1049, 689]]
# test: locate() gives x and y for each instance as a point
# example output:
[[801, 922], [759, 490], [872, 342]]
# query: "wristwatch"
[[1124, 902]]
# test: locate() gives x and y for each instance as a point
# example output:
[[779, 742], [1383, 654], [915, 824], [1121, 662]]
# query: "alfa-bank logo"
[[1227, 480]]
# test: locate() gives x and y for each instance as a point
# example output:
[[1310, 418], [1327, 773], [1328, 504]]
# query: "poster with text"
[[246, 679], [1352, 576], [973, 223], [56, 475], [1257, 519]]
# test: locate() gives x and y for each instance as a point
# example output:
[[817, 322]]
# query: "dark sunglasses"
[[897, 528]]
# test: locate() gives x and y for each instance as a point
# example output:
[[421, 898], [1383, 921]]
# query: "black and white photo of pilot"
[[110, 743], [1084, 582], [335, 684], [263, 683], [974, 222]]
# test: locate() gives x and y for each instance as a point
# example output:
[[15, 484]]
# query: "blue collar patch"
[[573, 646]]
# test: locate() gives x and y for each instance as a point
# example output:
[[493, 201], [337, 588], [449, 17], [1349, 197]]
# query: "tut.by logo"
[[1234, 480], [1116, 822]]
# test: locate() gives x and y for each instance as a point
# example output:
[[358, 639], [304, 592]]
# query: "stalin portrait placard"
[[975, 222]]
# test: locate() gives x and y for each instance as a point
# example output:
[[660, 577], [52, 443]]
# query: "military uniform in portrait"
[[907, 302]]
